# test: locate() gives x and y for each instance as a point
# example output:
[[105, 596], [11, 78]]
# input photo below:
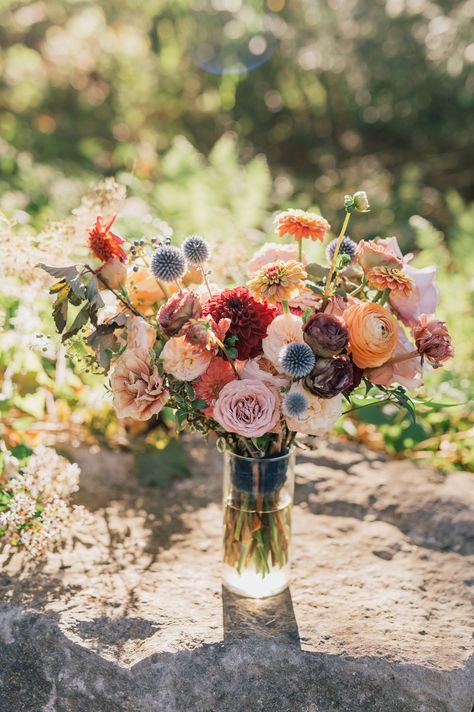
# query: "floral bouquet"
[[255, 364]]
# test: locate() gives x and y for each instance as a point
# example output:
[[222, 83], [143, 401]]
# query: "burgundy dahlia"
[[330, 376], [249, 319], [178, 310], [327, 335]]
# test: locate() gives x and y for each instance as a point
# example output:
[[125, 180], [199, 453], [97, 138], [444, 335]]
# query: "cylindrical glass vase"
[[258, 499]]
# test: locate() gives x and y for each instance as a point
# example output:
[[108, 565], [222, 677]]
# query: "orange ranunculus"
[[372, 334], [144, 290]]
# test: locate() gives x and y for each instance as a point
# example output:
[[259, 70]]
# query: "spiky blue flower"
[[295, 403], [196, 250], [296, 360], [168, 264], [348, 247]]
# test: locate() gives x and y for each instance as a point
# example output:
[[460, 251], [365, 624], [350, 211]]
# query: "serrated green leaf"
[[81, 320], [60, 308]]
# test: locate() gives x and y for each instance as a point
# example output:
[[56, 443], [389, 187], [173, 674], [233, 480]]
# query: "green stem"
[[201, 267], [285, 307], [300, 250], [332, 266]]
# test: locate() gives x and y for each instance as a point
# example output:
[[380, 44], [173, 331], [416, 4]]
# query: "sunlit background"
[[214, 113]]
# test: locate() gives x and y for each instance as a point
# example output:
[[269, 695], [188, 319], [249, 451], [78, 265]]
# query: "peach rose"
[[114, 272], [423, 299], [248, 408], [284, 329], [320, 415], [138, 389], [184, 361], [141, 335], [376, 253], [372, 333]]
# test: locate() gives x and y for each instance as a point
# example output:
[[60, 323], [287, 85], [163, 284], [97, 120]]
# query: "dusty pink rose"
[[184, 361], [271, 252], [248, 408], [141, 335], [433, 340], [423, 299], [114, 272], [137, 387], [337, 306], [178, 310], [407, 373], [376, 253]]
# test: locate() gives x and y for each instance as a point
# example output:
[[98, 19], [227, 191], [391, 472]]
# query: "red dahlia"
[[249, 319], [103, 243]]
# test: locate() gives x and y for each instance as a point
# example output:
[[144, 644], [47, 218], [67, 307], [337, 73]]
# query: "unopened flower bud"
[[359, 201]]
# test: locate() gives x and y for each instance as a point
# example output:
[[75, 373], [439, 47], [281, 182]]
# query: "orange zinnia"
[[278, 281], [301, 224], [383, 277], [103, 243]]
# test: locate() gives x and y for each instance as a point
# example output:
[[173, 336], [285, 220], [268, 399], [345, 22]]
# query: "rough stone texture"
[[131, 616]]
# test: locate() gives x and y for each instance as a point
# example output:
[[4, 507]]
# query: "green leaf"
[[67, 273], [81, 320], [160, 467], [342, 293], [60, 308], [199, 404], [232, 353], [93, 294], [342, 260], [21, 452], [315, 288]]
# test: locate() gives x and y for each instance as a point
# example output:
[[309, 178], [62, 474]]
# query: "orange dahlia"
[[383, 277], [301, 224], [277, 281], [103, 243]]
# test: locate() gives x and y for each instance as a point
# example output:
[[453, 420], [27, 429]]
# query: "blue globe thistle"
[[348, 247], [168, 264], [196, 250], [296, 360], [295, 403]]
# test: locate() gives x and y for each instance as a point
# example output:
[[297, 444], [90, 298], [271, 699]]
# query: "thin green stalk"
[[332, 266]]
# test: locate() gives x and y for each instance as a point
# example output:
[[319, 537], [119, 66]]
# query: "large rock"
[[131, 615]]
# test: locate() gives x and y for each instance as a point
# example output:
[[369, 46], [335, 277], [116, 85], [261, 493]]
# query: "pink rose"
[[407, 373], [271, 252], [423, 299], [337, 306], [138, 388], [261, 369], [433, 340], [184, 361], [141, 335], [248, 408], [114, 272]]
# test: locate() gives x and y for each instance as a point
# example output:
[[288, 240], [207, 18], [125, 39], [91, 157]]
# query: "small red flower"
[[249, 319], [103, 243]]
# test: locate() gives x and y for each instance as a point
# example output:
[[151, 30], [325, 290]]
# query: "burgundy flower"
[[249, 319], [330, 376], [432, 340], [178, 310], [327, 335]]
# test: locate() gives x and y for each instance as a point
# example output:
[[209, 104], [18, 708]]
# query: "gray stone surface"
[[131, 616]]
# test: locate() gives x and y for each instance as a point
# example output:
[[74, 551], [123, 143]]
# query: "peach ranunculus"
[[184, 361], [248, 408], [138, 389], [423, 299], [372, 333], [144, 290], [320, 415], [377, 253], [141, 335], [408, 373], [271, 252], [284, 329]]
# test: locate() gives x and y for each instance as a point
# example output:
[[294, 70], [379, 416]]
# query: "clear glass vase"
[[258, 499]]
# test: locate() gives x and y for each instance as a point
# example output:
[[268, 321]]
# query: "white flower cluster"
[[35, 497]]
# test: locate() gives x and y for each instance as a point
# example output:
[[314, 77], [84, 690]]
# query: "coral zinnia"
[[383, 277], [249, 319], [278, 281], [300, 224], [103, 243]]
